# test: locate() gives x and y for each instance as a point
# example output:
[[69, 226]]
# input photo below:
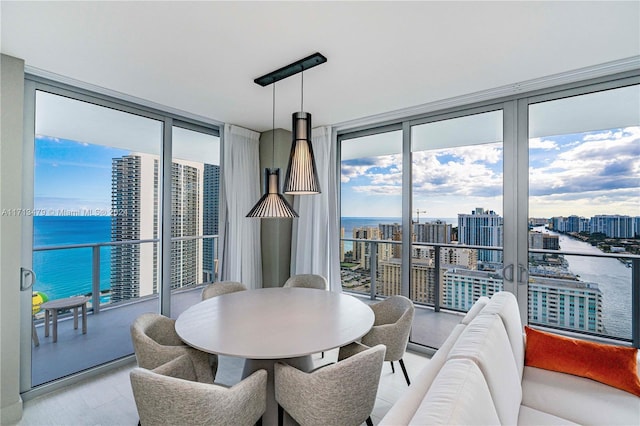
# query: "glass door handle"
[[523, 274], [507, 273], [27, 279]]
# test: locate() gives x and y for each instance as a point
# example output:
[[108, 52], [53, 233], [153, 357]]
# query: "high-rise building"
[[565, 303], [432, 232], [462, 287], [361, 250], [211, 189], [134, 195], [613, 226], [482, 228], [186, 221], [550, 242], [536, 242]]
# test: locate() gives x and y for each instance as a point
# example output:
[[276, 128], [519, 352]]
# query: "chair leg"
[[369, 422], [404, 370], [393, 369], [280, 415]]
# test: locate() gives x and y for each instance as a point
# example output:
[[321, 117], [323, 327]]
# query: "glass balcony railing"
[[118, 272], [596, 294]]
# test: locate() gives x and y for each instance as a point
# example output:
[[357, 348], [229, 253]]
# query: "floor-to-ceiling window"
[[95, 221], [195, 189], [371, 212], [563, 160], [457, 169], [584, 210]]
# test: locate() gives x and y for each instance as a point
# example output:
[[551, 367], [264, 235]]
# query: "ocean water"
[[66, 273]]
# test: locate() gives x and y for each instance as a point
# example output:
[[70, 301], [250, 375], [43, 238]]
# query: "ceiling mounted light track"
[[291, 69], [301, 177]]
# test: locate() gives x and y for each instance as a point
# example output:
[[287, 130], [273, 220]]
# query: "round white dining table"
[[272, 324]]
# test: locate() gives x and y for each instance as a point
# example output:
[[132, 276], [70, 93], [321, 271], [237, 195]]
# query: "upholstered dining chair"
[[171, 395], [221, 287], [391, 327], [155, 342], [343, 393], [307, 281]]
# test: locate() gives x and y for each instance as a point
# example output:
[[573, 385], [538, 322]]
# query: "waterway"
[[613, 279]]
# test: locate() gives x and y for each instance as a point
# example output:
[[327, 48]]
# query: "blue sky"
[[584, 174], [72, 175]]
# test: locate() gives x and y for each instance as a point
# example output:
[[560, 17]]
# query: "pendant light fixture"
[[272, 205], [301, 176]]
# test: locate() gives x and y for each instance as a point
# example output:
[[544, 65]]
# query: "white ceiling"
[[202, 57]]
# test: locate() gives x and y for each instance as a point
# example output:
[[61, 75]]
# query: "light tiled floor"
[[108, 399]]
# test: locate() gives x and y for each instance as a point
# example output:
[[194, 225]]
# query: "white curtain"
[[315, 240], [240, 253]]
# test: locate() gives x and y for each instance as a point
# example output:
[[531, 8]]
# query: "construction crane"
[[418, 211]]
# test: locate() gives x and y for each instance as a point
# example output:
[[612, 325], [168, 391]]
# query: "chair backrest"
[[149, 332], [307, 281], [396, 311], [221, 287], [392, 309], [346, 391], [168, 395]]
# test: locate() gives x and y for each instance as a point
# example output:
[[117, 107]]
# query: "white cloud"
[[538, 143]]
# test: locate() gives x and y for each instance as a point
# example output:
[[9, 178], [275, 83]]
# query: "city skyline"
[[589, 173]]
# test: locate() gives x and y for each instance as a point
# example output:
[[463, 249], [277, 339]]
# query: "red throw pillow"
[[615, 366]]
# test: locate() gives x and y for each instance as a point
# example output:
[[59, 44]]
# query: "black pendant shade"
[[302, 176], [272, 205]]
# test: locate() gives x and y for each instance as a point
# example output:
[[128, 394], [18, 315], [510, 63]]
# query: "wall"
[[275, 233], [11, 128]]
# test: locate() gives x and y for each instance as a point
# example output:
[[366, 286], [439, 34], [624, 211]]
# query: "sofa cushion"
[[505, 305], [459, 396], [404, 409], [613, 365], [578, 399], [531, 416], [475, 310], [485, 342]]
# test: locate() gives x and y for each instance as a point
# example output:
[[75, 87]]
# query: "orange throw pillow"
[[609, 364]]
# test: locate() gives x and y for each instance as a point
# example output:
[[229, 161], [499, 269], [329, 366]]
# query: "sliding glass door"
[[537, 194], [93, 198], [195, 193], [584, 210]]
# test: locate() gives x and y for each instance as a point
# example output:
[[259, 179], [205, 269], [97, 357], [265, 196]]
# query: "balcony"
[[437, 311], [108, 338], [602, 303]]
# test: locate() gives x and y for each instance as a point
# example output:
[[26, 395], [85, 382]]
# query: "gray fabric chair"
[[341, 394], [155, 342], [170, 395], [391, 327], [307, 281], [221, 287]]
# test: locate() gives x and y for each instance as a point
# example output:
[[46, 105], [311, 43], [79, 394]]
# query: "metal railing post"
[[436, 284], [635, 302], [95, 279], [373, 266]]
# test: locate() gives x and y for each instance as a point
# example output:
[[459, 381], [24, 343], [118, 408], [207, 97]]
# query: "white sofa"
[[478, 377]]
